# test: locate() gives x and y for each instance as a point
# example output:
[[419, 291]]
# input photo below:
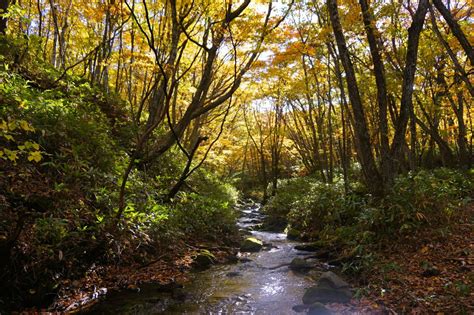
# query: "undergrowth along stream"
[[260, 282]]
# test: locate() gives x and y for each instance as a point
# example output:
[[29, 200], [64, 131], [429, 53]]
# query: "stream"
[[251, 286]]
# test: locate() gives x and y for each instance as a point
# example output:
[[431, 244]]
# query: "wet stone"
[[311, 247], [330, 288], [203, 259], [318, 309], [299, 264], [326, 295], [332, 280], [300, 308], [251, 244]]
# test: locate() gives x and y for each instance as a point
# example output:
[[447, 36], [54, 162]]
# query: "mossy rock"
[[204, 259], [292, 233], [251, 244]]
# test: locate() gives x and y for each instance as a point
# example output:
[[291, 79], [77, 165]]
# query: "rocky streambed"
[[270, 277]]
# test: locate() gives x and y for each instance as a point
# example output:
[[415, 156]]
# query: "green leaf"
[[11, 155], [34, 156], [26, 126]]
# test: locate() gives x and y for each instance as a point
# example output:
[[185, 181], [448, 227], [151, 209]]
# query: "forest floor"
[[431, 271]]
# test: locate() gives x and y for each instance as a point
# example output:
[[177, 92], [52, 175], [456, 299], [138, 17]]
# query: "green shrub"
[[309, 205], [325, 211], [207, 213], [50, 230], [203, 218], [279, 206], [426, 197]]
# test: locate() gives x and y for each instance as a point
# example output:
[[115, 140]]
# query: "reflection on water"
[[242, 288], [273, 287]]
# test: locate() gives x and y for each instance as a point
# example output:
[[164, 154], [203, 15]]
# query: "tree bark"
[[406, 103], [446, 154], [382, 100], [363, 145], [464, 158]]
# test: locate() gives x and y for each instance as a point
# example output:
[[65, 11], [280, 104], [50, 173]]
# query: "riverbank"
[[431, 271], [409, 251], [168, 271], [423, 272]]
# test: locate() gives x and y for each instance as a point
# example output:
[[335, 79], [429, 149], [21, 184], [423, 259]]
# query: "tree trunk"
[[447, 156], [463, 75], [363, 145], [185, 174], [264, 174], [456, 29], [382, 100], [464, 159], [406, 103]]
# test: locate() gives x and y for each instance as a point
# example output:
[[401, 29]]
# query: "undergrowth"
[[354, 222], [63, 149]]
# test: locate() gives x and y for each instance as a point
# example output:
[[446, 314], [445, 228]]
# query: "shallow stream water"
[[252, 287]]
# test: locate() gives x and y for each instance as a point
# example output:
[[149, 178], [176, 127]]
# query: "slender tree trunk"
[[406, 103], [54, 15], [456, 29], [382, 100], [264, 174], [462, 132], [40, 18], [447, 156], [185, 174], [413, 140], [331, 140], [345, 162], [62, 37], [275, 170], [363, 145], [463, 75]]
